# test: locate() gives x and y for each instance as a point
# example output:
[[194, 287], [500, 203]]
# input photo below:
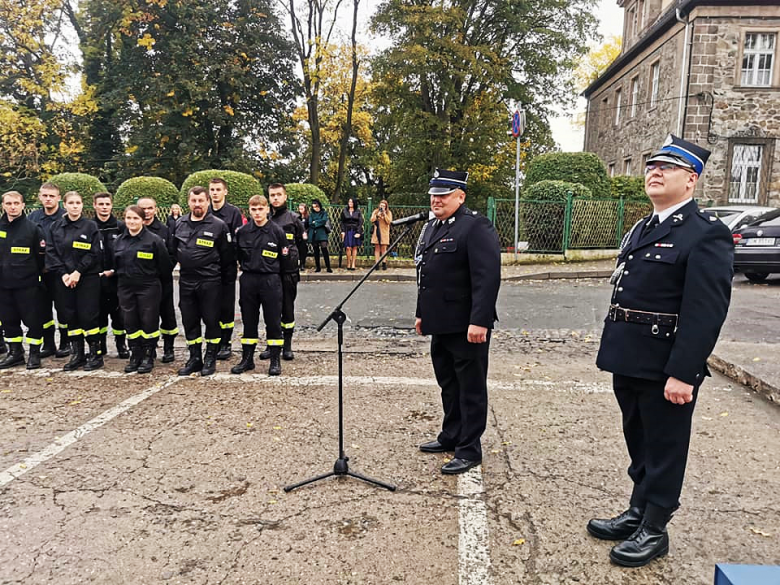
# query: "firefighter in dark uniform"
[[74, 256], [203, 247], [110, 228], [291, 276], [261, 246], [142, 263], [22, 258], [231, 215], [672, 288], [458, 259], [50, 212], [168, 327]]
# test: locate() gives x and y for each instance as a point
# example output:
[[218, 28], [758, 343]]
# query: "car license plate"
[[761, 242]]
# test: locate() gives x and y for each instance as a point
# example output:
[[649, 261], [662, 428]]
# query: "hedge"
[[628, 188], [304, 193], [241, 186], [86, 185], [545, 214], [161, 190], [573, 167]]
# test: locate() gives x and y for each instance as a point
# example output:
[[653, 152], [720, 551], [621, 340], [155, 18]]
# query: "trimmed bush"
[[543, 213], [241, 186], [86, 185], [161, 190], [628, 188], [573, 167], [304, 193]]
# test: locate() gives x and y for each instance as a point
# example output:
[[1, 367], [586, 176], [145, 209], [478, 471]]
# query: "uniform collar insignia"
[[678, 216], [451, 220]]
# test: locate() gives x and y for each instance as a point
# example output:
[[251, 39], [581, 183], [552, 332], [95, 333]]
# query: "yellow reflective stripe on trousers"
[[75, 332], [62, 325], [103, 330], [118, 331], [214, 341], [154, 335], [288, 325], [49, 324], [274, 342], [249, 341], [134, 335], [170, 331], [94, 331], [194, 341], [35, 341], [227, 325], [14, 339]]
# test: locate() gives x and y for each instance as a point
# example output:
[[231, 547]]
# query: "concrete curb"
[[381, 276], [742, 376]]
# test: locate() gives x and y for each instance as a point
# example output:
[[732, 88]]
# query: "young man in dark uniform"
[[22, 258], [261, 246], [291, 276], [672, 288], [168, 328], [50, 212], [231, 215], [458, 260], [110, 229], [203, 247]]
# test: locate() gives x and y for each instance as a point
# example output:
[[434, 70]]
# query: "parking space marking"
[[63, 443], [473, 542]]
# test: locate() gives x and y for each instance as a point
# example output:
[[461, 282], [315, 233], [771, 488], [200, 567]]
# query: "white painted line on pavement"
[[63, 443], [473, 543]]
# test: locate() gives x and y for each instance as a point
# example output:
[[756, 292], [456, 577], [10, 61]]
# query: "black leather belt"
[[617, 313]]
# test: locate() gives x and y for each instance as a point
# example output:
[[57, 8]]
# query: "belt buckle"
[[625, 314]]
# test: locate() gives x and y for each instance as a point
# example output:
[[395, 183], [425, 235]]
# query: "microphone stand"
[[341, 467]]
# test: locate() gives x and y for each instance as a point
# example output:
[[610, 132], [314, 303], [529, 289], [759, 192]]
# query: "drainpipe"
[[684, 73]]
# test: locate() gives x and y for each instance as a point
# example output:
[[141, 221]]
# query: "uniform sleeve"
[[227, 257], [299, 229], [164, 264], [39, 246], [92, 256], [281, 241], [705, 303], [484, 253], [53, 261]]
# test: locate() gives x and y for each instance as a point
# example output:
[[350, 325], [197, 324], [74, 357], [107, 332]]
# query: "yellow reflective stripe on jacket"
[[3, 234], [82, 245], [145, 255], [205, 243], [290, 236], [269, 254], [19, 250]]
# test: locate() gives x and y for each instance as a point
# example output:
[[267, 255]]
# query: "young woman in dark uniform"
[[142, 262]]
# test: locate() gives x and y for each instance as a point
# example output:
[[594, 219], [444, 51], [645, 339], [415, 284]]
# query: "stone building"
[[706, 71]]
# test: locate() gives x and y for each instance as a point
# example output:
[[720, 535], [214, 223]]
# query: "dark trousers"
[[289, 294], [461, 372], [321, 247], [657, 433], [227, 306], [199, 300], [141, 308], [303, 251], [19, 305], [167, 311], [79, 307], [109, 306], [48, 293], [261, 291]]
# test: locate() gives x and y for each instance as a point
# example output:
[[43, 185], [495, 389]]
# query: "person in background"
[[303, 245], [318, 234], [380, 236], [351, 231], [173, 216], [73, 255]]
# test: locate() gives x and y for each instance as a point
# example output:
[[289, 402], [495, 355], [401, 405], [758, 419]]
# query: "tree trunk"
[[347, 131]]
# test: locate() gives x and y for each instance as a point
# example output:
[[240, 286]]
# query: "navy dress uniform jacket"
[[458, 273], [684, 266]]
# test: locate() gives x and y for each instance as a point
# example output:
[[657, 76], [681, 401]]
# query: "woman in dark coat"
[[351, 231], [303, 245], [318, 233]]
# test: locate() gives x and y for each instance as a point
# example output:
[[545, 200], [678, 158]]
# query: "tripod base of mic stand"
[[341, 467]]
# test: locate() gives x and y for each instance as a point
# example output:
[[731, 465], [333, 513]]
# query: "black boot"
[[225, 351], [65, 344], [195, 363], [265, 354], [287, 352], [121, 347], [3, 346], [49, 346], [648, 542], [103, 347], [168, 356], [34, 360], [76, 352], [136, 353], [210, 359], [15, 355], [247, 360], [147, 359], [618, 528], [275, 367], [95, 357], [327, 261]]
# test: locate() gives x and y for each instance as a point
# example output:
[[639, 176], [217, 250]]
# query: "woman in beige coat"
[[380, 234]]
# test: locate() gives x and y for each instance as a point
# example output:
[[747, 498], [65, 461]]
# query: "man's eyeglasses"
[[664, 168]]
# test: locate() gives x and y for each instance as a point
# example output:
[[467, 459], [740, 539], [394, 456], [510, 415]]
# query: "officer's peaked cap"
[[682, 153], [444, 182]]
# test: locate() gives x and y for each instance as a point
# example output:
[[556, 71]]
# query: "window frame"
[[655, 82], [774, 76], [764, 169], [627, 163], [618, 104], [634, 96]]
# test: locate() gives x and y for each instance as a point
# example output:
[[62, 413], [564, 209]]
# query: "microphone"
[[422, 216]]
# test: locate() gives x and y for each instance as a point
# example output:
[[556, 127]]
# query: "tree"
[[595, 62]]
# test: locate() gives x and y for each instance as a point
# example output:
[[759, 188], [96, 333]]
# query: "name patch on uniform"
[[209, 234], [3, 234], [269, 254], [145, 255], [19, 250], [82, 246], [660, 245], [205, 243], [290, 236]]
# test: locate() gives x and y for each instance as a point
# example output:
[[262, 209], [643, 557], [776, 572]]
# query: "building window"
[[757, 59], [631, 23], [655, 76], [611, 169], [634, 95], [645, 156], [641, 12], [627, 167], [618, 105], [745, 180], [605, 110]]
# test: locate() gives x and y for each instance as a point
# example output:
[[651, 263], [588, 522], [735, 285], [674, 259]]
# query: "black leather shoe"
[[434, 447], [618, 528], [647, 543], [457, 465]]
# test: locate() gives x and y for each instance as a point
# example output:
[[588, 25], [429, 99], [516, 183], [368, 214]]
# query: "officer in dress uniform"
[[672, 288], [458, 260], [231, 215]]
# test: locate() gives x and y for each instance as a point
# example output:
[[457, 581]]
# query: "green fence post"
[[621, 219], [491, 210], [567, 221], [367, 224]]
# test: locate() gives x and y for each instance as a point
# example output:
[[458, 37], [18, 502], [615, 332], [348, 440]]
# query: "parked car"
[[736, 216], [757, 247]]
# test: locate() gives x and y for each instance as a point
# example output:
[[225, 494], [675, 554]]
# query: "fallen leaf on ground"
[[249, 424], [518, 542], [724, 414], [756, 359], [759, 532]]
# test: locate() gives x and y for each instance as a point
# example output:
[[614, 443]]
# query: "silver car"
[[735, 216]]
